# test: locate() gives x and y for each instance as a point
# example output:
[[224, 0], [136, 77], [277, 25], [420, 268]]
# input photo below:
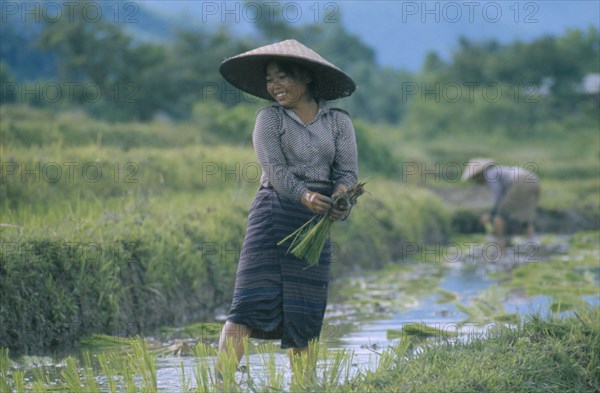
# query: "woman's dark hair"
[[297, 71]]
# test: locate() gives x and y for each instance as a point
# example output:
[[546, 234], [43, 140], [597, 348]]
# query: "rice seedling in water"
[[419, 330], [41, 380], [135, 371], [106, 360], [337, 367], [145, 364], [128, 368], [6, 376], [91, 385], [185, 387], [308, 241], [202, 372], [227, 366], [89, 378], [39, 387], [390, 356], [126, 372], [19, 381], [71, 376], [273, 376], [4, 370], [250, 381], [304, 367]]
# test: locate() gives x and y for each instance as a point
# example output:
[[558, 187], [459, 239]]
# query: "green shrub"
[[490, 109], [231, 124], [375, 156], [31, 127], [162, 262], [144, 262], [388, 221]]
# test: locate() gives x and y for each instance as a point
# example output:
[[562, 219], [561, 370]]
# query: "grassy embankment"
[[153, 241], [128, 227], [548, 351], [538, 355], [552, 354], [562, 147], [123, 228]]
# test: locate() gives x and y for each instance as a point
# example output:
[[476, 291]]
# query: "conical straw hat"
[[475, 166], [247, 70]]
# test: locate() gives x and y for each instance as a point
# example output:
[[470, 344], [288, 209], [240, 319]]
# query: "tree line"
[[68, 61]]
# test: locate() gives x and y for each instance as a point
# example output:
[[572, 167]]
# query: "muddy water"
[[363, 310], [466, 293]]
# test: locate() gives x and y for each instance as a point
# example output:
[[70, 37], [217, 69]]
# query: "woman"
[[516, 194], [307, 152]]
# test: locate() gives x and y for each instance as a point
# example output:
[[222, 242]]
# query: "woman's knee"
[[232, 329]]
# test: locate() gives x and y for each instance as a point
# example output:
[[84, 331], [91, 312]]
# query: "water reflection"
[[462, 297], [385, 302]]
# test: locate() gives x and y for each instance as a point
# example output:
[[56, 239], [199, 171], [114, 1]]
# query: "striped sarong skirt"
[[277, 295]]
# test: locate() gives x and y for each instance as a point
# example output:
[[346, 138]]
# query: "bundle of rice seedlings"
[[308, 240]]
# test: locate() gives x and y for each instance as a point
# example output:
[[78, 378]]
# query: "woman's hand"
[[339, 213], [321, 204], [340, 209], [317, 203]]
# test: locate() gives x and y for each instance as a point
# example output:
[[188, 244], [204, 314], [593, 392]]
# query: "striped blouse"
[[316, 156]]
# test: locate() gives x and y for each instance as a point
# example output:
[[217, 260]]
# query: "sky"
[[401, 32]]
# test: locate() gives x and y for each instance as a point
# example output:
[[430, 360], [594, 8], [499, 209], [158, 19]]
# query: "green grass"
[[566, 158], [556, 354], [134, 264], [564, 278], [419, 331], [126, 228], [154, 242], [146, 264], [143, 225], [551, 354]]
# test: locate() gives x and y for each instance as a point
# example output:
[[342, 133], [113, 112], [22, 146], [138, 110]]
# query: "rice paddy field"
[[120, 244]]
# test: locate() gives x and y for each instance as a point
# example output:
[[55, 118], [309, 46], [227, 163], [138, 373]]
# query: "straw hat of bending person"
[[247, 70], [475, 166]]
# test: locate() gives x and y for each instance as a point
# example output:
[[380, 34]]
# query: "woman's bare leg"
[[234, 333], [530, 232], [499, 233]]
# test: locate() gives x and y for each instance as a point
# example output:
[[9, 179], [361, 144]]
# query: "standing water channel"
[[460, 289], [457, 289]]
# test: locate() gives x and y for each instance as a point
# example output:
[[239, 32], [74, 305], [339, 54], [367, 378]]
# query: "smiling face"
[[288, 85]]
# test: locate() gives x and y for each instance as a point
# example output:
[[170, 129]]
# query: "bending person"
[[516, 194]]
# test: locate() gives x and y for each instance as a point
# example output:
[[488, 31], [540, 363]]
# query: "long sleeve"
[[267, 145], [345, 164]]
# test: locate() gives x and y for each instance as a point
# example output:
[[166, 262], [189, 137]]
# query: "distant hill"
[[401, 32], [402, 38]]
